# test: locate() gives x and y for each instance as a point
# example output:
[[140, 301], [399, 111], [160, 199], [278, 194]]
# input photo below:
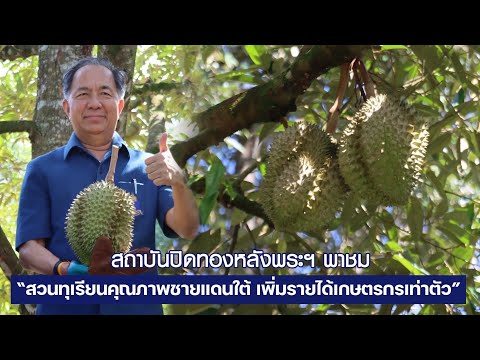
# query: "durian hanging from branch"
[[379, 159], [382, 150], [302, 189]]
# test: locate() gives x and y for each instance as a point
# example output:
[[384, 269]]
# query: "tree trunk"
[[8, 259], [51, 126], [51, 129], [123, 57]]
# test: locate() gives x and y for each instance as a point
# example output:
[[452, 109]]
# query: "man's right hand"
[[101, 260]]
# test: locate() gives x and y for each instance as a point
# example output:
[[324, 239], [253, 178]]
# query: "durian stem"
[[113, 164], [358, 79], [334, 112], [284, 122], [367, 81]]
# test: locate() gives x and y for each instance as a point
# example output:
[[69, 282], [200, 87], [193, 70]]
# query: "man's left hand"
[[162, 168], [75, 268]]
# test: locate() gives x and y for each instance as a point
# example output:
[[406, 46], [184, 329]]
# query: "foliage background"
[[436, 233]]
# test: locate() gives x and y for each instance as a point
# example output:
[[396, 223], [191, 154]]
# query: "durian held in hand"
[[99, 223]]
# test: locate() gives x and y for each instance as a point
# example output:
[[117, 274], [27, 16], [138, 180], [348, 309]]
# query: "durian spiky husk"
[[302, 189], [382, 151], [100, 209]]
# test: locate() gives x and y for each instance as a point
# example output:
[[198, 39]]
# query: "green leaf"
[[255, 52], [415, 218], [19, 86], [414, 269], [205, 242], [461, 216], [455, 233], [461, 74], [427, 310], [190, 309], [393, 47], [392, 245], [353, 216], [427, 110], [393, 233], [441, 208], [237, 216], [472, 157], [335, 223], [435, 260], [461, 96], [429, 55], [267, 129], [194, 178], [230, 141], [230, 190], [206, 206], [439, 143], [243, 75], [402, 308], [473, 140], [281, 244], [387, 219], [263, 169], [450, 235], [436, 182], [476, 219], [358, 220], [464, 253], [474, 294], [435, 129], [213, 180], [323, 307]]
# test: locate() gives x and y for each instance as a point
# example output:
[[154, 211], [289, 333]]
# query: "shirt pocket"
[[134, 187]]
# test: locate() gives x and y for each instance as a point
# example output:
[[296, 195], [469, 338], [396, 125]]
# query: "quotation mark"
[[20, 284]]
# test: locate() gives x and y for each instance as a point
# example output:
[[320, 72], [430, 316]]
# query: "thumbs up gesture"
[[162, 168], [162, 143]]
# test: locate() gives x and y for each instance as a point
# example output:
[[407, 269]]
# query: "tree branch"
[[12, 52], [246, 172], [155, 88], [9, 262], [265, 103], [240, 201], [15, 126], [233, 244]]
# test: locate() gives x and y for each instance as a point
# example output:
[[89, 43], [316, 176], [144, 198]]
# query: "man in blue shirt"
[[93, 92]]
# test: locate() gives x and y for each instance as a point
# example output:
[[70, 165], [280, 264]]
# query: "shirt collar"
[[75, 142]]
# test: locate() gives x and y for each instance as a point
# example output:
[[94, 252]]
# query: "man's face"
[[93, 105]]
